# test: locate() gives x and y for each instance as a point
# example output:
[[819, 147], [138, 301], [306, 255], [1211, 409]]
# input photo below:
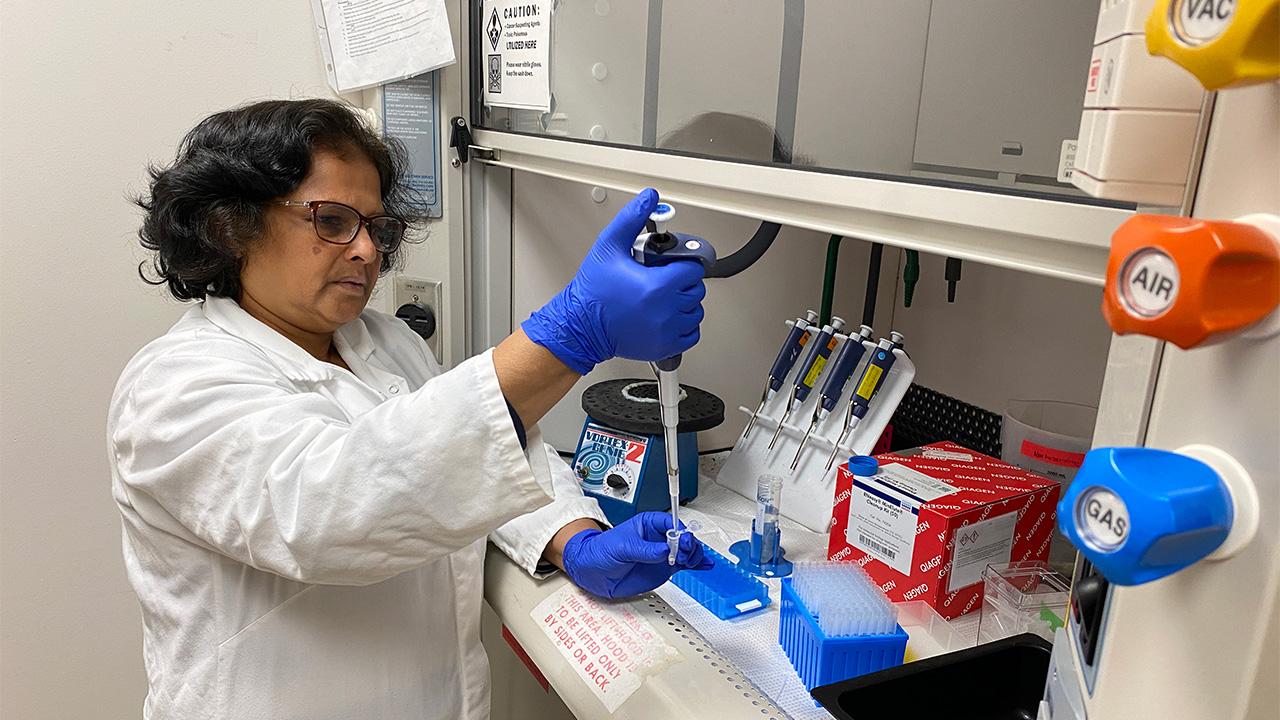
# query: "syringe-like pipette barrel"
[[797, 337], [669, 407], [848, 359], [833, 386], [873, 377], [814, 362]]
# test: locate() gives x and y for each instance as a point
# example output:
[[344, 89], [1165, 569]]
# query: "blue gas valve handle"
[[1140, 514]]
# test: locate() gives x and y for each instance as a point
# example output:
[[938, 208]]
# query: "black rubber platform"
[[605, 401]]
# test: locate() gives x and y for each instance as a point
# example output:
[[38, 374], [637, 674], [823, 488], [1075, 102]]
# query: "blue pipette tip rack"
[[822, 660], [725, 589], [742, 551]]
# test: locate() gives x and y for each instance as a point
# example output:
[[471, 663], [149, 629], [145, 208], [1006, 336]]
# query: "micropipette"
[[795, 342], [873, 377], [669, 404], [833, 387], [813, 365], [661, 248]]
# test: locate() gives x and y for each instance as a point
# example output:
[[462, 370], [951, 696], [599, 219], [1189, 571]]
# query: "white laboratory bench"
[[703, 682]]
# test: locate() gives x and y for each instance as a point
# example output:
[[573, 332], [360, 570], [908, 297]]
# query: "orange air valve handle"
[[1190, 281]]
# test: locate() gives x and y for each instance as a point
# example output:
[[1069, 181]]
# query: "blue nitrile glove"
[[631, 558], [616, 307]]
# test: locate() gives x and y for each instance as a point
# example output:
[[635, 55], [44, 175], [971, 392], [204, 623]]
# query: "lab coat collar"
[[298, 363]]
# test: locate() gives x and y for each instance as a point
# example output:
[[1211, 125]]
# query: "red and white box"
[[932, 519]]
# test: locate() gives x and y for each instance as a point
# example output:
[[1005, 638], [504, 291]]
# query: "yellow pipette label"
[[869, 380], [818, 364]]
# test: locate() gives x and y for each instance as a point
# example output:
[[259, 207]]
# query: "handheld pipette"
[[661, 248], [812, 368], [873, 377], [795, 342], [833, 387]]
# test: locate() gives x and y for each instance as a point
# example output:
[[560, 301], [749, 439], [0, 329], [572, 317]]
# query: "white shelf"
[[1048, 237]]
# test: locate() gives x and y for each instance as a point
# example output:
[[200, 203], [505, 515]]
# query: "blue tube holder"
[[822, 660], [744, 550], [725, 589]]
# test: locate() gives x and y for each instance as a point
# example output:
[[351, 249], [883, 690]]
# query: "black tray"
[[1003, 680]]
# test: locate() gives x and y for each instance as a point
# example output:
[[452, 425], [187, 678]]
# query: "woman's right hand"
[[616, 307]]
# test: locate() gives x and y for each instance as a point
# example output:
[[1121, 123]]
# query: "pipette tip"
[[835, 451], [773, 440], [754, 415], [795, 461]]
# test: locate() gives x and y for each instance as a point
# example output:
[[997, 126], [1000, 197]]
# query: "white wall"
[[91, 92], [1008, 336]]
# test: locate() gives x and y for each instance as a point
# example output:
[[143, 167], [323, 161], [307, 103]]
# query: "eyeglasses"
[[339, 224]]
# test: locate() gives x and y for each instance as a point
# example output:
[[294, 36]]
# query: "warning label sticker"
[[979, 545], [609, 646], [517, 49]]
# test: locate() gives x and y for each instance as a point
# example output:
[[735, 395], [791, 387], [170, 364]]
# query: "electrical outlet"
[[424, 292]]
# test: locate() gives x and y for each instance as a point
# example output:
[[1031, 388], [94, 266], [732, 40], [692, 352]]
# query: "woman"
[[306, 496]]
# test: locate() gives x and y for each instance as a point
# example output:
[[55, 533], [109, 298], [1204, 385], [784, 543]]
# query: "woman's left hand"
[[631, 558]]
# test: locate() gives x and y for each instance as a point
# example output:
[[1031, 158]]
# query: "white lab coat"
[[307, 542]]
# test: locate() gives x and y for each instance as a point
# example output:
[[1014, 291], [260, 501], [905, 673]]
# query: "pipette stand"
[[809, 491]]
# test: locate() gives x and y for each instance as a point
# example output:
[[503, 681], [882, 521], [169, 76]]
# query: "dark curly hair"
[[203, 211]]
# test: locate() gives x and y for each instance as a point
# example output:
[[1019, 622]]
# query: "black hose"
[[748, 254], [829, 279], [873, 286]]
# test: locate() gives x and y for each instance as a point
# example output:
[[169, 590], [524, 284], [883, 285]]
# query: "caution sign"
[[610, 647], [517, 51]]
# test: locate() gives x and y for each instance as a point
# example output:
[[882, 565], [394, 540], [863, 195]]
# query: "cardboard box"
[[934, 517]]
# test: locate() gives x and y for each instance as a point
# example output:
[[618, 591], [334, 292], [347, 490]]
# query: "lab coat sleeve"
[[525, 538], [285, 482]]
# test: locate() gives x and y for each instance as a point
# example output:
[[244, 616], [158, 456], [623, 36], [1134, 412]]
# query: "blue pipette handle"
[[796, 340], [815, 361], [873, 377], [663, 248], [846, 362]]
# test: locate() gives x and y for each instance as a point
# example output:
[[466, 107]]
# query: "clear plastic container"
[[1048, 437], [1022, 597], [930, 634]]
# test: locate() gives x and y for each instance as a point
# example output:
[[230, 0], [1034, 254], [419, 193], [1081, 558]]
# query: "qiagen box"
[[934, 517]]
